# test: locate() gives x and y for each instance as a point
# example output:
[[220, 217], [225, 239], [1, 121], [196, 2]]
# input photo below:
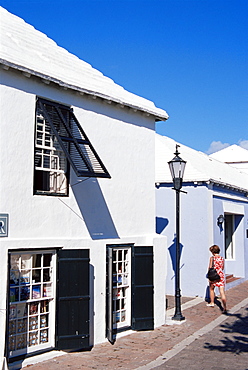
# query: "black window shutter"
[[142, 288], [72, 324], [73, 140]]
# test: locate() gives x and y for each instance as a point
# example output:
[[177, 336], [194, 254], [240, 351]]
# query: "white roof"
[[231, 154], [199, 167], [31, 51]]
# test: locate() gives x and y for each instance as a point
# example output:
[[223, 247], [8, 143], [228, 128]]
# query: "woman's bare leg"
[[212, 295], [223, 296]]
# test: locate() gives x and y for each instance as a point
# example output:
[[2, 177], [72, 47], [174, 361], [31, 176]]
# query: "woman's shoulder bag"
[[212, 274]]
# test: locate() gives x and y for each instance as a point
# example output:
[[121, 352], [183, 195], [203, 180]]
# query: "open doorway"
[[229, 236]]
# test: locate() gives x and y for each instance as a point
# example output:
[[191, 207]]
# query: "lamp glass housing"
[[177, 167]]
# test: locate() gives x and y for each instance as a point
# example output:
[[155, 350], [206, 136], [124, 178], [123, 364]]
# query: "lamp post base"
[[178, 317], [178, 312]]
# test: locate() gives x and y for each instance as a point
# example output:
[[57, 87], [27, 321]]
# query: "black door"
[[73, 300], [142, 288]]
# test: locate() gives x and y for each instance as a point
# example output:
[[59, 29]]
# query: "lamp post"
[[177, 167]]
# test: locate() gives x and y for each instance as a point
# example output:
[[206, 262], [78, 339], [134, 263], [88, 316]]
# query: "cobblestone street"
[[207, 339]]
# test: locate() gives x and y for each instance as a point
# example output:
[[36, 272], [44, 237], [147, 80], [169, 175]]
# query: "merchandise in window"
[[129, 289], [121, 287], [31, 307]]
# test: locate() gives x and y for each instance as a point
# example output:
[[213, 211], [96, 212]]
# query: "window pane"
[[21, 341], [47, 259], [37, 260], [25, 292], [24, 277], [21, 325], [33, 308], [44, 321], [38, 160], [44, 306], [44, 336], [36, 276], [14, 277], [14, 261], [26, 261], [14, 295], [33, 338], [47, 290], [12, 327], [46, 275], [46, 162], [36, 291]]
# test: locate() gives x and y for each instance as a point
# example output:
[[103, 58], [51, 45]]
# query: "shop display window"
[[121, 287], [31, 302]]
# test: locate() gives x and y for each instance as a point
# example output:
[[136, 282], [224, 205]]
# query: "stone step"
[[230, 278]]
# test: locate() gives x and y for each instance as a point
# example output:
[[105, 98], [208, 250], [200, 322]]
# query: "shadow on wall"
[[94, 209], [161, 224], [172, 250]]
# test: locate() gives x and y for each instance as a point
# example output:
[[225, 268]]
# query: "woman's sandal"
[[210, 305]]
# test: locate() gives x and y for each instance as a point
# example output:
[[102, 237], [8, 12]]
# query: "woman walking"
[[219, 266]]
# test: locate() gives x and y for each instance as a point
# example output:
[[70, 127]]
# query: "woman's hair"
[[214, 249]]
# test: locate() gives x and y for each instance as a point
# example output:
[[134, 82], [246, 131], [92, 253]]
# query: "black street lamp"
[[177, 167]]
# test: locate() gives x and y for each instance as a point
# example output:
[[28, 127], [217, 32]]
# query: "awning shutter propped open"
[[73, 140]]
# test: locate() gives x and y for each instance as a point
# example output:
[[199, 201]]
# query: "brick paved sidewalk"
[[225, 347], [141, 348]]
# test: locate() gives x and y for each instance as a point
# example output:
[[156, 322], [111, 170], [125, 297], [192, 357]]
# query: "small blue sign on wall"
[[4, 224]]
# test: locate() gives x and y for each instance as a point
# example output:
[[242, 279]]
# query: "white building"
[[234, 155], [213, 189], [80, 260]]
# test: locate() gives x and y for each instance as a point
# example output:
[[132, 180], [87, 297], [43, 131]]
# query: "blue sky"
[[190, 57]]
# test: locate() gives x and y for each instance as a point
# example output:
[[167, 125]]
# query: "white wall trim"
[[230, 207]]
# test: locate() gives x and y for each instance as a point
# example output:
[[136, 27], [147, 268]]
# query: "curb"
[[184, 343], [184, 306]]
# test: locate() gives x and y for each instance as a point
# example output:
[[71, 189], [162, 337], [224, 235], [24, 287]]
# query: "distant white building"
[[80, 259], [213, 189], [234, 155]]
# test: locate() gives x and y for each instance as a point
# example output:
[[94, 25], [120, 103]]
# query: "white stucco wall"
[[97, 211], [196, 235], [199, 209], [120, 142]]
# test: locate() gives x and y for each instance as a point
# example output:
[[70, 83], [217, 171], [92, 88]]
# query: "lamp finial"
[[176, 152]]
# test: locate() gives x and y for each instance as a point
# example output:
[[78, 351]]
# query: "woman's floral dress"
[[219, 266]]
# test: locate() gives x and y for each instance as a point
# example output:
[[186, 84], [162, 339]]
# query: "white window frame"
[[51, 157], [122, 287]]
